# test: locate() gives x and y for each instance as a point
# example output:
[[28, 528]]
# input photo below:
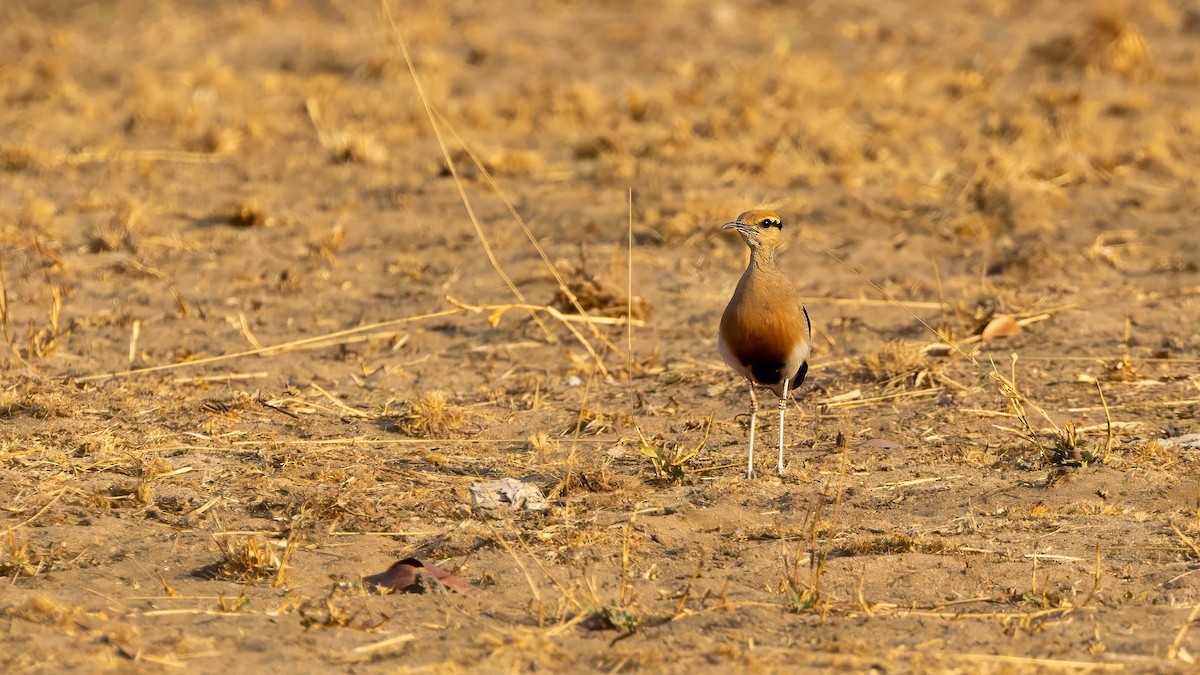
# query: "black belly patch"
[[800, 375], [767, 372], [770, 373]]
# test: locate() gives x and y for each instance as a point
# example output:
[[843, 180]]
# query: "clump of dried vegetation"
[[346, 144], [246, 559], [248, 213], [896, 365], [119, 233], [596, 297], [584, 473], [431, 415], [43, 610], [1064, 445], [142, 492], [994, 178], [17, 559], [672, 461], [1110, 42]]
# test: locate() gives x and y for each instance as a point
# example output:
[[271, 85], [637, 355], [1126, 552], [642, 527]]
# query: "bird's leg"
[[782, 409], [753, 417]]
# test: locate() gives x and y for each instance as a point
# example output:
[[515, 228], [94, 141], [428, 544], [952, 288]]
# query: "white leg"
[[782, 409], [753, 417]]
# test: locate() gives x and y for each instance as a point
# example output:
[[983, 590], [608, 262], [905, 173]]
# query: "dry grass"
[[325, 245], [585, 472], [432, 415], [346, 145], [246, 560], [119, 233], [896, 365], [892, 544], [1110, 42], [17, 559], [594, 296], [44, 610], [248, 214], [929, 503]]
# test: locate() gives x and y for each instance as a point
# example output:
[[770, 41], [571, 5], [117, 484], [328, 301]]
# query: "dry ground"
[[241, 213]]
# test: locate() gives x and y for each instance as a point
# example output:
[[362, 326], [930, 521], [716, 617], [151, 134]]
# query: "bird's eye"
[[770, 222]]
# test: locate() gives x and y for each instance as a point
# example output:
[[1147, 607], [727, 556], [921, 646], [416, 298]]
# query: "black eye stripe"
[[772, 222]]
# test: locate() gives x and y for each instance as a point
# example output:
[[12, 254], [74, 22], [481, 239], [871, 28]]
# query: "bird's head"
[[759, 228]]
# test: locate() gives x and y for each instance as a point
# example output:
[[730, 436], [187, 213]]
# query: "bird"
[[766, 334]]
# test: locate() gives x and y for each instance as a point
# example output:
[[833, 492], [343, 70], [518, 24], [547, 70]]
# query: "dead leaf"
[[1001, 326], [406, 576]]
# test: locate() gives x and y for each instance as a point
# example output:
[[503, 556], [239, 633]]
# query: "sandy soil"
[[256, 349]]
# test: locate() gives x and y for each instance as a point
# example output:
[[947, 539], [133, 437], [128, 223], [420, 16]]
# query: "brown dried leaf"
[[404, 576], [1001, 326]]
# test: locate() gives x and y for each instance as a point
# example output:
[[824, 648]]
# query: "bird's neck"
[[763, 258]]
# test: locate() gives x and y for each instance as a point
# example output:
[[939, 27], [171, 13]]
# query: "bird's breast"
[[763, 329], [760, 337]]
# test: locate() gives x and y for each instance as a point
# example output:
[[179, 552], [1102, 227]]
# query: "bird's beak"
[[730, 226]]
